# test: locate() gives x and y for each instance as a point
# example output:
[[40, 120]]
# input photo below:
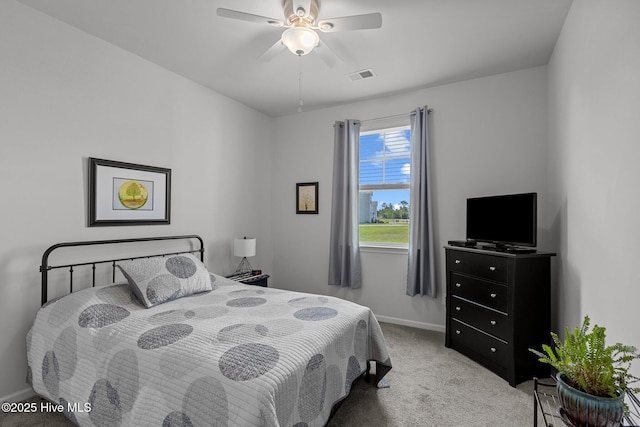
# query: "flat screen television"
[[506, 220]]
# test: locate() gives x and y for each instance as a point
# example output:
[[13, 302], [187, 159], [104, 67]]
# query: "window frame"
[[395, 123]]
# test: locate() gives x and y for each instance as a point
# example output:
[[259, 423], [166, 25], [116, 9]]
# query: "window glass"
[[385, 168]]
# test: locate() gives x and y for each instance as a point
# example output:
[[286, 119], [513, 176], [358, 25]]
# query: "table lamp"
[[244, 248]]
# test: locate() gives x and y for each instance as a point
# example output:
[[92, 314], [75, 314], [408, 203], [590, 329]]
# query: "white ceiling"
[[421, 43]]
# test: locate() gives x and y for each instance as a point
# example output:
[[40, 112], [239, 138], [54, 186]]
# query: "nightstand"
[[250, 279]]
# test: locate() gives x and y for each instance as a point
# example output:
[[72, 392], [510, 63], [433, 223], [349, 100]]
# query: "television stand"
[[498, 307], [514, 250], [509, 249]]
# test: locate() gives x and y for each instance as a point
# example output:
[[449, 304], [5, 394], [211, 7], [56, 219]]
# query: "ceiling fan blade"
[[234, 14], [268, 54], [349, 23], [327, 55], [305, 5]]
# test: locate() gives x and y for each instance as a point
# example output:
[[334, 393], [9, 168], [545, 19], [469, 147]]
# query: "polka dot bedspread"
[[239, 355]]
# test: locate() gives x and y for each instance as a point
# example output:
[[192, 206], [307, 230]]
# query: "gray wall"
[[489, 137], [66, 96], [594, 175]]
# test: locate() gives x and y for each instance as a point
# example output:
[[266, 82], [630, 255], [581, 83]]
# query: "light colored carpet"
[[430, 386]]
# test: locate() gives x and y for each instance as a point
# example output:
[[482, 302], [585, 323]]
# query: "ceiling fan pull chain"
[[300, 103]]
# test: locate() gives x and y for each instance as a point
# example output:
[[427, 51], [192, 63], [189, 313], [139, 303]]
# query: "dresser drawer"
[[486, 346], [489, 321], [490, 294], [479, 265]]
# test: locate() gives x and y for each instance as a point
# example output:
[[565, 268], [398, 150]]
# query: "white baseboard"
[[411, 323], [18, 396]]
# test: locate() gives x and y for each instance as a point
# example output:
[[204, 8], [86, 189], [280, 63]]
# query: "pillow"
[[161, 279]]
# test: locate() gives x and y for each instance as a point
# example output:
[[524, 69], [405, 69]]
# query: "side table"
[[546, 403], [250, 279]]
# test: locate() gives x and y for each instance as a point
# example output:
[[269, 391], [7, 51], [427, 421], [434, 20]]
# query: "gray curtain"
[[421, 278], [344, 250]]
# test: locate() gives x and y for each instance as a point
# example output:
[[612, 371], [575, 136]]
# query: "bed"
[[220, 353]]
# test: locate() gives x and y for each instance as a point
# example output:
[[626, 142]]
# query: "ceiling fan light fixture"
[[300, 40]]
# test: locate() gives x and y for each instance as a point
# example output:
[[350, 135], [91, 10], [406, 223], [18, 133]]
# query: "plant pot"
[[586, 410]]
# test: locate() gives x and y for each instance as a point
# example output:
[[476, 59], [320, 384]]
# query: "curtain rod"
[[395, 116]]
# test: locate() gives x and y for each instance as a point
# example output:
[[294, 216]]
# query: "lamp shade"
[[244, 247], [300, 40]]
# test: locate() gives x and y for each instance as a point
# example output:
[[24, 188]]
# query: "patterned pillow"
[[161, 279]]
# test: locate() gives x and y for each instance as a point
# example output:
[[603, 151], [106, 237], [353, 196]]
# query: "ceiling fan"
[[300, 36]]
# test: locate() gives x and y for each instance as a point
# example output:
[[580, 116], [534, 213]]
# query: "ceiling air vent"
[[361, 75]]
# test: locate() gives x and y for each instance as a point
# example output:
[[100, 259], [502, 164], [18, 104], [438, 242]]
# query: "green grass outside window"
[[384, 233]]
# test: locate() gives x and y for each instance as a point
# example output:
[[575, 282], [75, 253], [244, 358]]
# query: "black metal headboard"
[[45, 267]]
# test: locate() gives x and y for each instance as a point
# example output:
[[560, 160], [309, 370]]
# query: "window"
[[385, 168]]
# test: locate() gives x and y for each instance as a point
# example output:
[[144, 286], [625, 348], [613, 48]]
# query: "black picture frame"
[[307, 198], [128, 194]]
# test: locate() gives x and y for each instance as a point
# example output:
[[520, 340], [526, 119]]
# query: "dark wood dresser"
[[499, 306]]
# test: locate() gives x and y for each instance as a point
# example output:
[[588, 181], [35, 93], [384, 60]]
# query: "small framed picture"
[[128, 194], [307, 198]]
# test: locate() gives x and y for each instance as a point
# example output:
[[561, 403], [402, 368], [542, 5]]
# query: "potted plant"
[[592, 377]]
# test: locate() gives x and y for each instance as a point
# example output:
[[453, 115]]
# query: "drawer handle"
[[458, 285], [492, 268], [493, 295], [493, 350], [457, 331], [493, 323], [458, 308], [458, 261]]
